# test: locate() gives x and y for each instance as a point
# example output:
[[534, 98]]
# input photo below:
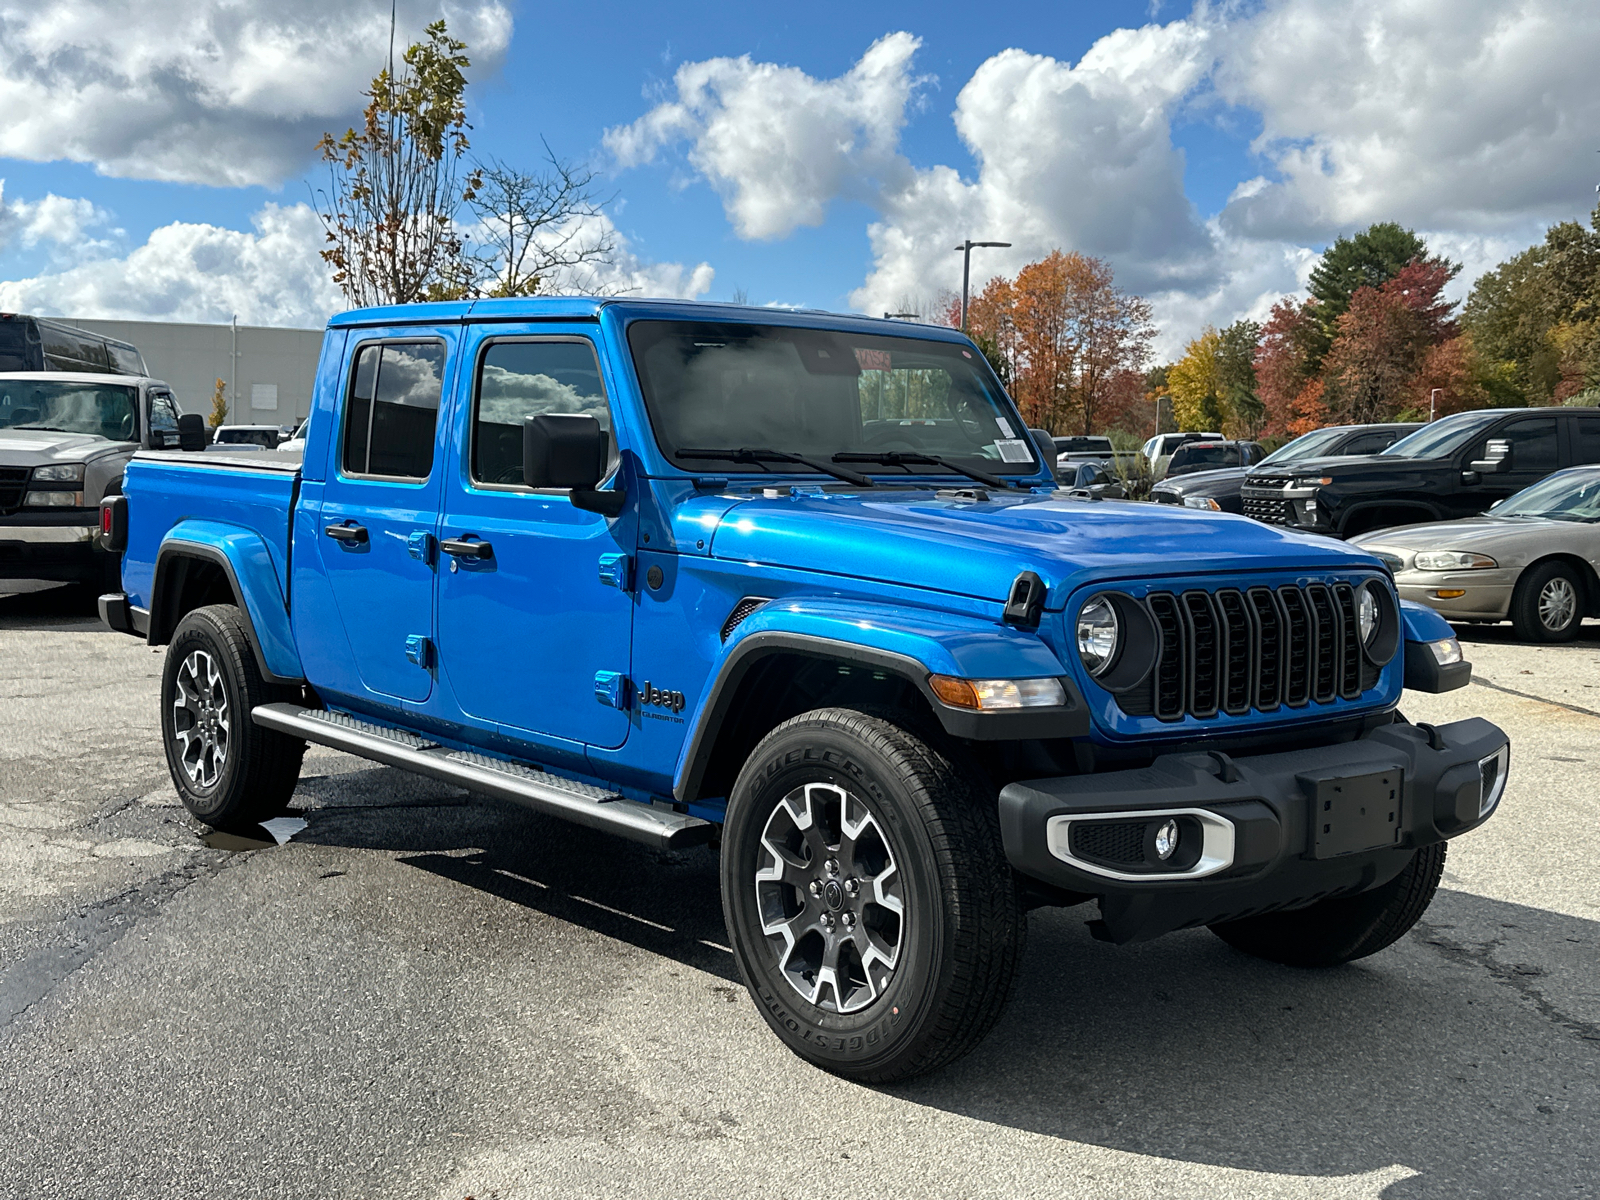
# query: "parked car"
[[1533, 559], [64, 439], [1097, 479], [1219, 490], [267, 437], [1456, 467], [39, 344], [1192, 457], [1081, 444], [1161, 448], [680, 572]]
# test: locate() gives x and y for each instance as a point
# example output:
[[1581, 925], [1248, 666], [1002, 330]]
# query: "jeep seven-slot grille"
[[13, 482], [1234, 650]]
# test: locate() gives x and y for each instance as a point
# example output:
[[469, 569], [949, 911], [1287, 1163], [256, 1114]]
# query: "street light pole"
[[965, 250]]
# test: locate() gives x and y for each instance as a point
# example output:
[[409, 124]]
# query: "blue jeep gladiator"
[[801, 586]]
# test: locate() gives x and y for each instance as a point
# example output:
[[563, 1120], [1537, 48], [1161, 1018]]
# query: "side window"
[[163, 419], [393, 409], [1586, 440], [518, 379], [1367, 443], [1533, 444]]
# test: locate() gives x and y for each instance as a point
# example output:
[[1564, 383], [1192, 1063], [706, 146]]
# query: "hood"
[[1494, 536], [1204, 483], [1353, 466], [977, 548], [35, 447]]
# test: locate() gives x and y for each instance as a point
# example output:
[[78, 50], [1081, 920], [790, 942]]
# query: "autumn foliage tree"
[[1064, 336]]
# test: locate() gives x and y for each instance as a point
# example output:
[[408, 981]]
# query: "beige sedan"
[[1533, 559]]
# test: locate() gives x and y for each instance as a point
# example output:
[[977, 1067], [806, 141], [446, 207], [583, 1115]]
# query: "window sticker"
[[1013, 450], [1005, 427]]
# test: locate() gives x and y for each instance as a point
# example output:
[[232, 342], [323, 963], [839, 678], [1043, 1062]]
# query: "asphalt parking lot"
[[425, 994]]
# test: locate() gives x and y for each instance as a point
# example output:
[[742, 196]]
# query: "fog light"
[[1166, 840]]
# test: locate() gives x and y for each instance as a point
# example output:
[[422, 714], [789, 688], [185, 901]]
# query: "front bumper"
[[1263, 832], [57, 546], [1486, 594]]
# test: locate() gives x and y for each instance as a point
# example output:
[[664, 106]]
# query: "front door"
[[381, 504], [531, 635]]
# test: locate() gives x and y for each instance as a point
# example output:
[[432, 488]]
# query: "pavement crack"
[[82, 937], [1518, 977], [1585, 712]]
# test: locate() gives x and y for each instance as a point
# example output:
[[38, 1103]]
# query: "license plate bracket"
[[1354, 813]]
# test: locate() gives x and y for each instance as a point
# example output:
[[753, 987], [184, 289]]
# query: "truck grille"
[[1262, 648], [1262, 501], [13, 482]]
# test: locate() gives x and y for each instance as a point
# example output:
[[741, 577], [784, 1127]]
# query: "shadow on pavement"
[[1431, 1055], [50, 606], [1504, 635]]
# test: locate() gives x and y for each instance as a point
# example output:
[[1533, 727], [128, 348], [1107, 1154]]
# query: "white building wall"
[[269, 384]]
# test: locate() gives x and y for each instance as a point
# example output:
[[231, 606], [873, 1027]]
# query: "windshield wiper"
[[43, 428], [749, 454], [907, 458]]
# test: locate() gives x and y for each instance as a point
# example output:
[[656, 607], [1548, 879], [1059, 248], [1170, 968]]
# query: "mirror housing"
[[1496, 457], [569, 451], [192, 434], [1045, 446]]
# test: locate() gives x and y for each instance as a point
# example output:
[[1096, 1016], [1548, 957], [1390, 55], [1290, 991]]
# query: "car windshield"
[[882, 405], [1198, 455], [1444, 437], [1563, 497], [1307, 445], [105, 410]]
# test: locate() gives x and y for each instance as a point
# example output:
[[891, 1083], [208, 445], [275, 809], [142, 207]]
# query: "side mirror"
[[569, 451], [1046, 447], [1496, 457], [192, 432]]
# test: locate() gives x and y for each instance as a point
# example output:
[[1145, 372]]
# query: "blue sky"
[[1208, 151]]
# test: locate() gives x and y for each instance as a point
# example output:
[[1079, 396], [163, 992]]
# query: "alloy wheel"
[[1558, 604], [201, 719], [828, 890]]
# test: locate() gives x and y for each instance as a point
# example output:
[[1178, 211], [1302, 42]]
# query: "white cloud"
[[196, 272], [272, 275], [1465, 115], [56, 221], [202, 91], [1469, 120], [777, 144], [626, 273]]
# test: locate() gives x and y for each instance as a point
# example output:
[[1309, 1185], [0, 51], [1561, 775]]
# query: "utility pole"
[[1433, 403], [233, 357], [965, 250]]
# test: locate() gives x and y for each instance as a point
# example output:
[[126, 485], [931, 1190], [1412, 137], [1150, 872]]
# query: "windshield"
[[1307, 445], [101, 409], [1197, 457], [819, 394], [1563, 497], [1444, 437]]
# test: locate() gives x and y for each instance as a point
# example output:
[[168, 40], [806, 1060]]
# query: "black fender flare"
[[1070, 720]]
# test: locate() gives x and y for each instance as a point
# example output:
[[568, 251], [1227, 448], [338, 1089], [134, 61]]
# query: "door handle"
[[350, 535], [465, 549]]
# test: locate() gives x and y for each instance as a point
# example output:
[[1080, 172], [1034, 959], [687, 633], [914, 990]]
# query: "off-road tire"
[[1342, 930], [255, 777], [1530, 597], [964, 923]]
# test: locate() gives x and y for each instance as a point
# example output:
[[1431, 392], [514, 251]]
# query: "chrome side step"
[[580, 803]]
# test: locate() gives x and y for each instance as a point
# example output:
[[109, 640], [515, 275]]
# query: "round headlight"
[[1097, 634], [1368, 616]]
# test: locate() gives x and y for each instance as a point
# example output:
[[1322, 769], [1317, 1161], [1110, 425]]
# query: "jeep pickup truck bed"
[[800, 585]]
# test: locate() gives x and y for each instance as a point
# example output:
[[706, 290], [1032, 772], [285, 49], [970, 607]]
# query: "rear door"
[[535, 626], [380, 505]]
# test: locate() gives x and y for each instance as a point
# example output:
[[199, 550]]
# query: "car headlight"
[[59, 473], [1318, 481], [37, 499], [1201, 502], [1098, 634], [990, 694], [1452, 560]]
